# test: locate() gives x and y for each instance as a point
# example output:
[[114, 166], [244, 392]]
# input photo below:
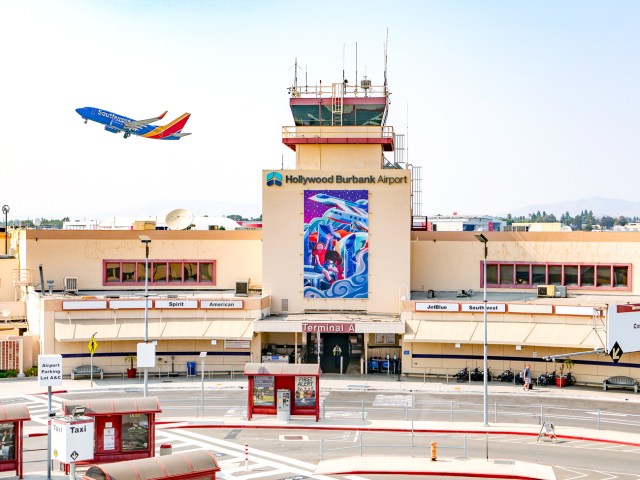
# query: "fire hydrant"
[[434, 446]]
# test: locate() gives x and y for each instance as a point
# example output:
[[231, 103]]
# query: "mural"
[[336, 231]]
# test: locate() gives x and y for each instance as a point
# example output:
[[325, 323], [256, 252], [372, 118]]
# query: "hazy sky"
[[505, 103]]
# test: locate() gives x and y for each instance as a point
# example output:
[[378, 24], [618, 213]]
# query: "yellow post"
[[434, 446]]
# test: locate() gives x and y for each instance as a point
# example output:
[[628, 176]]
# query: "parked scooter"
[[519, 379], [462, 375], [548, 378], [506, 376]]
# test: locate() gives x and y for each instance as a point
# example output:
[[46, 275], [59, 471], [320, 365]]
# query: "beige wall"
[[80, 254], [389, 228], [449, 261], [7, 268], [332, 157]]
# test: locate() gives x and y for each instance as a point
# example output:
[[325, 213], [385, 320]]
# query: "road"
[[288, 454]]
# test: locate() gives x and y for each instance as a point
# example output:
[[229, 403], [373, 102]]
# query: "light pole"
[[485, 405], [5, 210], [146, 240]]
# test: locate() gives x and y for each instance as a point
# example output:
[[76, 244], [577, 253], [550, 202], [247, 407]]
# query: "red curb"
[[418, 430], [425, 473], [53, 392]]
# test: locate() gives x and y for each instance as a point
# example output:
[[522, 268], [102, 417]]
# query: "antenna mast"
[[386, 44], [356, 65]]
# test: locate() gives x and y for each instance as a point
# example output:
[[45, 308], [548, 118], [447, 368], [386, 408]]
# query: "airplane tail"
[[174, 128]]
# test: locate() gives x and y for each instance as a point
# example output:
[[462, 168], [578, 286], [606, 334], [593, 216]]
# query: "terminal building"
[[338, 262]]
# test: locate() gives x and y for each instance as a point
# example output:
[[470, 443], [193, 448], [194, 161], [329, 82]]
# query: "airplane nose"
[[81, 111]]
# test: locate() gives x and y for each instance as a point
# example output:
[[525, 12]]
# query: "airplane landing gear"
[[85, 121], [127, 134]]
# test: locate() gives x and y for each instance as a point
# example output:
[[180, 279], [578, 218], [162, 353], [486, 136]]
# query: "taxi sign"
[[93, 345]]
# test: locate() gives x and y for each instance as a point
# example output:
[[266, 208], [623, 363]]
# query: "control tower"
[[336, 229]]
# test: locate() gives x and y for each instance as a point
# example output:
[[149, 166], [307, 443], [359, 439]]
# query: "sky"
[[503, 103]]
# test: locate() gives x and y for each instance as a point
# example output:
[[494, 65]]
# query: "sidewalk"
[[383, 383]]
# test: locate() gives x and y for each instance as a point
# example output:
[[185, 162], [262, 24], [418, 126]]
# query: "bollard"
[[434, 446], [165, 449], [246, 456]]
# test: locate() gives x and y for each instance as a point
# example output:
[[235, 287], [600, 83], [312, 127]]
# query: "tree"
[[607, 222]]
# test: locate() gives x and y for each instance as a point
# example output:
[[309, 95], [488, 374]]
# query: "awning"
[[14, 412], [116, 405], [230, 329], [503, 333], [560, 335], [439, 331], [196, 464], [172, 329], [276, 369]]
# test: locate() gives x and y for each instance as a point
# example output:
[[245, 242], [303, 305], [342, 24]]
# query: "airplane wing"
[[180, 134], [136, 124]]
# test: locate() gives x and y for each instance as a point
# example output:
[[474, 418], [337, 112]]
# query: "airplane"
[[115, 123], [345, 211]]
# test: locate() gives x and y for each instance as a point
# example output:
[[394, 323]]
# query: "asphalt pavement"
[[375, 382]]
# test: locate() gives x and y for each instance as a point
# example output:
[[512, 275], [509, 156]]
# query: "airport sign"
[[623, 328]]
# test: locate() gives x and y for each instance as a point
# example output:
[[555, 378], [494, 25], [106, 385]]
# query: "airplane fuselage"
[[116, 123]]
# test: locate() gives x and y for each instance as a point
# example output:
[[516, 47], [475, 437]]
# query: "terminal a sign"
[[329, 327], [344, 179]]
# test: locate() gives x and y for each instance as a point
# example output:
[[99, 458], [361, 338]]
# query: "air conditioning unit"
[[560, 291], [546, 291], [70, 284], [242, 289]]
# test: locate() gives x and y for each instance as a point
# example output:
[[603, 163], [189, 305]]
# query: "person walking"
[[337, 353], [527, 377]]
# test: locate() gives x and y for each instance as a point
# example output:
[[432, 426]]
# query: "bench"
[[620, 381], [85, 370]]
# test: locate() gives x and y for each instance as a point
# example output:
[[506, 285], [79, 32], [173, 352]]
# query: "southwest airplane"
[[115, 123]]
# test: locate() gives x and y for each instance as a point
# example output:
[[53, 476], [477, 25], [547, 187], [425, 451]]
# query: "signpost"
[[49, 375], [93, 346]]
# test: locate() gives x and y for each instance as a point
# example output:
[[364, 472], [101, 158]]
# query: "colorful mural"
[[336, 231]]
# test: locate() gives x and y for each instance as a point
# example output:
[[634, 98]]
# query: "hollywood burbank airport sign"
[[344, 179]]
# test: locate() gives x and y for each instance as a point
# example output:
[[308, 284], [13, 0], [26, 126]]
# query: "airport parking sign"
[[49, 370]]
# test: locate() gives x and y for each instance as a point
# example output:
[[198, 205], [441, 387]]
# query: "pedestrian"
[[337, 353], [527, 377]]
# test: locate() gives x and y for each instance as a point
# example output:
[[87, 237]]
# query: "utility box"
[[72, 438], [283, 406]]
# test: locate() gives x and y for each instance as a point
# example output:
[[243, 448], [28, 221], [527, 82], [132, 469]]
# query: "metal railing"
[[411, 444], [337, 132], [452, 411]]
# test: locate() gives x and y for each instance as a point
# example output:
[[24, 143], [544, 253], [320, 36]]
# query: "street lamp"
[[5, 210], [146, 240], [485, 411]]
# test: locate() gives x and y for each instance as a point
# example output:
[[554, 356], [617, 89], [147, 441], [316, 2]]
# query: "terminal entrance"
[[333, 347]]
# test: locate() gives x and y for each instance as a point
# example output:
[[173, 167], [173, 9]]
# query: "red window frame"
[[140, 266], [499, 266]]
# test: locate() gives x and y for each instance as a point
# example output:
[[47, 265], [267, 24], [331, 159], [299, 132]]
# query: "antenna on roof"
[[386, 44], [356, 66], [343, 49], [295, 75]]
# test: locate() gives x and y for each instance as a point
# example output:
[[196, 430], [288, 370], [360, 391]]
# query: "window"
[[506, 274], [528, 275], [587, 276], [570, 275], [522, 274], [555, 275], [604, 276], [128, 272]]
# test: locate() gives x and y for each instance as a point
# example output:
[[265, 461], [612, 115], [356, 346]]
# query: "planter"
[[561, 382], [131, 372]]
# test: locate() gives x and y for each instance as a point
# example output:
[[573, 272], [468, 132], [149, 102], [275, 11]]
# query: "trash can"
[[165, 449], [191, 369]]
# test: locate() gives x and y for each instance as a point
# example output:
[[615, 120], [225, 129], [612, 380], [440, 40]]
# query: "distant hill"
[[601, 206]]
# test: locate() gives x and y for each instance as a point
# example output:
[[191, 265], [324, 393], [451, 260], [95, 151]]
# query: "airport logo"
[[274, 178]]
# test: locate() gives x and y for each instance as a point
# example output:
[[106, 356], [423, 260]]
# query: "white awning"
[[503, 333], [230, 329], [133, 329]]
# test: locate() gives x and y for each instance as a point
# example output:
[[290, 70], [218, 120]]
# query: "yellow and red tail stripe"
[[169, 129]]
